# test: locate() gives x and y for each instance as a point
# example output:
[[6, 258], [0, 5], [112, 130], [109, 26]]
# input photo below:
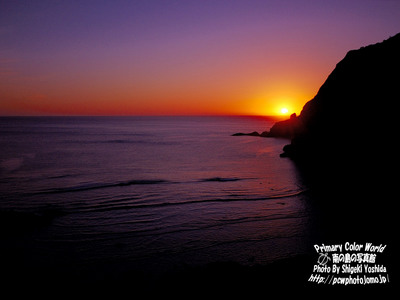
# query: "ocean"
[[103, 196]]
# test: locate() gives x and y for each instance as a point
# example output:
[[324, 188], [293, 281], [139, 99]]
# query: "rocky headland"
[[343, 144], [354, 115], [343, 141]]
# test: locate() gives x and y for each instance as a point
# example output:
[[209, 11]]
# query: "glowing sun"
[[284, 110]]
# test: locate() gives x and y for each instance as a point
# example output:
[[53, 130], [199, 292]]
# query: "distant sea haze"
[[104, 194]]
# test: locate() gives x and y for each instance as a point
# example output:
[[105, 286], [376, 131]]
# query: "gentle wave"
[[157, 230], [226, 200], [97, 186], [131, 141], [219, 179], [141, 204]]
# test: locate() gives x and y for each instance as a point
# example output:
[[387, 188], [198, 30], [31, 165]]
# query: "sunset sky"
[[154, 57]]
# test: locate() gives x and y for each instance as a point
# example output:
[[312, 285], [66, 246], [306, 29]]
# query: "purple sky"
[[178, 57]]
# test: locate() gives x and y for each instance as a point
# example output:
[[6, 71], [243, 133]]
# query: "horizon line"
[[155, 115]]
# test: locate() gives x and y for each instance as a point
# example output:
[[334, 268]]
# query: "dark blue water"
[[148, 193]]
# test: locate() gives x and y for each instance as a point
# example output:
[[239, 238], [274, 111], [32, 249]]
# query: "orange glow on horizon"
[[236, 59], [258, 86], [226, 93], [125, 107]]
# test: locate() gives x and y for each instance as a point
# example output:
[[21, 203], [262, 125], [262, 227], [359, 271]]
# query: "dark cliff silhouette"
[[351, 126], [344, 143], [358, 101]]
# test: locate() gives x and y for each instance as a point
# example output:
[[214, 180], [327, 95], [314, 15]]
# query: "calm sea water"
[[149, 193]]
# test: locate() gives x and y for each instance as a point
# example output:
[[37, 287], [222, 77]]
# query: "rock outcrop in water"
[[288, 128], [254, 133], [285, 129]]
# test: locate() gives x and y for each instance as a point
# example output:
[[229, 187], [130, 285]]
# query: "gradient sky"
[[153, 57]]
